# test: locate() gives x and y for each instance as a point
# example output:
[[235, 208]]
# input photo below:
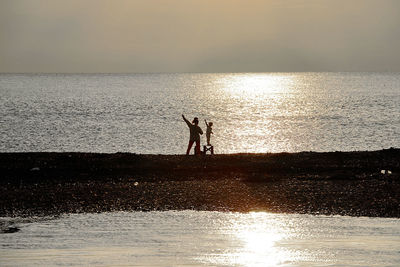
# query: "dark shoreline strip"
[[331, 183]]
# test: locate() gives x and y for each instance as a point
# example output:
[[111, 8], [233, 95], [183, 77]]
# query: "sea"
[[251, 113]]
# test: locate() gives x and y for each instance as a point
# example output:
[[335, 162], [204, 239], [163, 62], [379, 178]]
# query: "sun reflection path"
[[265, 99], [255, 241], [252, 85], [258, 237]]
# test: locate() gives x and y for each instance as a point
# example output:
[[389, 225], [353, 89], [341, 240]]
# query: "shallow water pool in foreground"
[[182, 238]]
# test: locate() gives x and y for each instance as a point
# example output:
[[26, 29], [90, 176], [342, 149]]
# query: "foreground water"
[[252, 112], [201, 238]]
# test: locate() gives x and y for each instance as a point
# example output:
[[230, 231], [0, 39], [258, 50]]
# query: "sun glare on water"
[[250, 85], [255, 104], [255, 242]]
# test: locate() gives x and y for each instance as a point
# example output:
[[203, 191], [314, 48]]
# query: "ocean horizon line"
[[158, 73]]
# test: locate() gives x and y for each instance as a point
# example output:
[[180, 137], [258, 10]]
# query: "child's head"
[[210, 123]]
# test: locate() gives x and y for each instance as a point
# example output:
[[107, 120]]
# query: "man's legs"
[[189, 147], [197, 148]]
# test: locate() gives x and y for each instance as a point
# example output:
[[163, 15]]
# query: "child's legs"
[[208, 138], [189, 147]]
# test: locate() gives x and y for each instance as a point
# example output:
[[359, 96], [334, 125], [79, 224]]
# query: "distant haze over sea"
[[119, 36]]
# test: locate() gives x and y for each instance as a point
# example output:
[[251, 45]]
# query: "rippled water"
[[201, 238], [141, 113]]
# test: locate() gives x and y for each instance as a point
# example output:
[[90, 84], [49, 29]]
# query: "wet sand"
[[334, 183]]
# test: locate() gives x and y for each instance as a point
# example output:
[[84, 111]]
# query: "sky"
[[140, 36]]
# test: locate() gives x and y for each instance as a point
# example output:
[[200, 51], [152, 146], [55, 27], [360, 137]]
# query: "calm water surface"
[[201, 239], [141, 113]]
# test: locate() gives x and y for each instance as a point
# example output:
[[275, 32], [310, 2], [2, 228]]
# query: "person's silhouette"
[[195, 132], [209, 131]]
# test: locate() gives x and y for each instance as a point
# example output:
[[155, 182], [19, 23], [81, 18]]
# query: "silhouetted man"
[[195, 132]]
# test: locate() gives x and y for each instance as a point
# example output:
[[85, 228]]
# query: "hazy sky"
[[199, 35]]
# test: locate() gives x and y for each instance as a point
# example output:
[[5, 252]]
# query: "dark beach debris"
[[10, 230], [343, 183]]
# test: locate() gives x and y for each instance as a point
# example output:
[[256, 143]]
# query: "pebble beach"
[[365, 183]]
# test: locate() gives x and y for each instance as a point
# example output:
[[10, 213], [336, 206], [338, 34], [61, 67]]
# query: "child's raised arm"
[[206, 122]]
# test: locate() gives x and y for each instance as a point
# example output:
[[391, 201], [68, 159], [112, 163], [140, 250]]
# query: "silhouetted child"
[[209, 131]]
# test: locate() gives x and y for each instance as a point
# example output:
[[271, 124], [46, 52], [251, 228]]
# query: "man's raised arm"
[[187, 122]]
